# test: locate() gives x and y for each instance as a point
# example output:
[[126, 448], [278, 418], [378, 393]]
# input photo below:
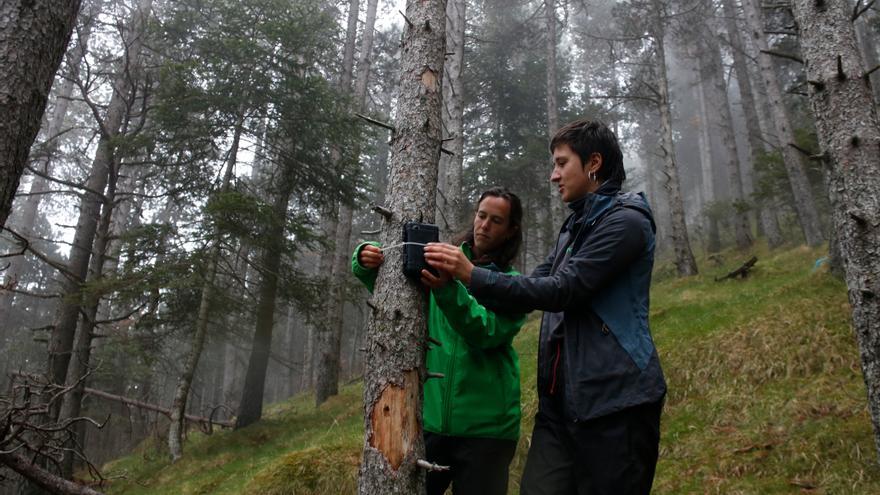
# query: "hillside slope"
[[765, 396]]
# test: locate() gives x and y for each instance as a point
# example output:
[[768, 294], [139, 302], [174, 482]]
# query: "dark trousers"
[[610, 455], [478, 466]]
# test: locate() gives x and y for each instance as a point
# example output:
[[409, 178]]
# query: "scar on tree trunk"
[[393, 420]]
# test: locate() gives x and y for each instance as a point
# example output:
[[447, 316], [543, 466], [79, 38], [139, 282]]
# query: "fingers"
[[371, 256], [431, 281]]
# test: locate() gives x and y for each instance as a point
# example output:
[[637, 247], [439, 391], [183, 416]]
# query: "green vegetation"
[[766, 396]]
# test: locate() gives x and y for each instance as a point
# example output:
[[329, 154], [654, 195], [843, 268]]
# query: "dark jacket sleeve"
[[615, 243]]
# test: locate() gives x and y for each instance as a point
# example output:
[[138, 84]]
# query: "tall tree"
[[707, 183], [109, 125], [754, 128], [327, 373], [396, 341], [450, 204], [804, 202], [849, 134], [33, 38], [713, 71]]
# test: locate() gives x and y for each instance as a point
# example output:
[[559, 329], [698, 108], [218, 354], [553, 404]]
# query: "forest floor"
[[765, 396]]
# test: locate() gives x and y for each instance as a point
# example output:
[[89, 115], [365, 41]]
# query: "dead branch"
[[43, 478], [742, 271]]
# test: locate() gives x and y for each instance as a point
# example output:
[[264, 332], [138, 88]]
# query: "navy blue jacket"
[[596, 355]]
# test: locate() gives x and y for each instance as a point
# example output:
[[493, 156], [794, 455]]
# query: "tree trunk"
[[33, 37], [327, 372], [555, 205], [43, 478], [849, 134], [64, 330], [28, 212], [197, 344], [868, 45], [715, 74], [684, 258], [754, 128], [450, 204], [707, 189], [805, 205], [250, 409], [79, 367], [396, 340]]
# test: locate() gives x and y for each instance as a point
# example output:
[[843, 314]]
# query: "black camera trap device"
[[415, 236]]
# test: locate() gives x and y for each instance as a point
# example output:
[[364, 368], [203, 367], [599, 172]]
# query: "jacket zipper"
[[555, 365]]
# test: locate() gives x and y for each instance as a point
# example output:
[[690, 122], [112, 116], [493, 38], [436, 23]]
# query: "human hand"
[[449, 259], [371, 256], [435, 281]]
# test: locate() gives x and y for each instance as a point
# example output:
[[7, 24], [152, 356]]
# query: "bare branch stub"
[[385, 212], [376, 122], [430, 466]]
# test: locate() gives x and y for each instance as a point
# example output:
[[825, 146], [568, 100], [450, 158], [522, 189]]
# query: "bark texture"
[[33, 37], [805, 204], [849, 134], [396, 341]]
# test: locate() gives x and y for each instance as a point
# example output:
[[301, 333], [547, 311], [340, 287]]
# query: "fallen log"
[[742, 271]]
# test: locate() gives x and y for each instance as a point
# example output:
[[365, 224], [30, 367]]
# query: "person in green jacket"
[[471, 415]]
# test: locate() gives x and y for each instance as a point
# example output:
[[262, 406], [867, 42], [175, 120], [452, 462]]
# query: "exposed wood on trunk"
[[33, 38], [395, 424], [397, 330], [848, 128], [805, 204]]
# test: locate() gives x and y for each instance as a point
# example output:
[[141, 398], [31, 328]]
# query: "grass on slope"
[[765, 396]]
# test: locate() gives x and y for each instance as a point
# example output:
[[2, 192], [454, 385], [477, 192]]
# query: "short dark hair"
[[586, 137], [505, 254]]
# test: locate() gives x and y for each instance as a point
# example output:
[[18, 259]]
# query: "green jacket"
[[479, 394]]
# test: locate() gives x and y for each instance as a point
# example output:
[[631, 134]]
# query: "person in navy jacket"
[[600, 384]]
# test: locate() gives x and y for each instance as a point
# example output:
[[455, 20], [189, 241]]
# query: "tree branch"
[[788, 56]]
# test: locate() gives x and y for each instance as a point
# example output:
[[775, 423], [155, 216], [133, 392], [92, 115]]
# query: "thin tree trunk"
[[754, 128], [715, 74], [184, 382], [868, 45], [849, 134], [684, 258], [707, 189], [804, 203], [64, 329], [79, 366], [33, 37], [450, 204], [396, 340], [555, 205], [327, 374], [250, 409]]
